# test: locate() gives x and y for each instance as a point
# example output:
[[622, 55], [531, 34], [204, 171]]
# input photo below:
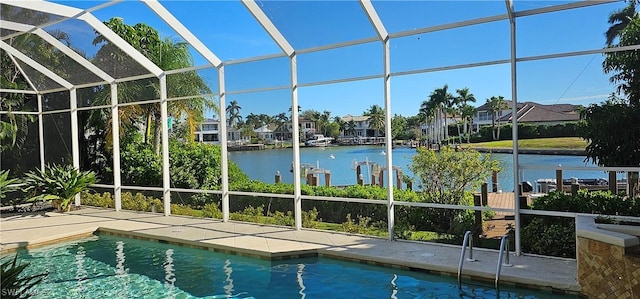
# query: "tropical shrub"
[[140, 166], [211, 210], [14, 283], [57, 183], [192, 165], [446, 175], [8, 185], [310, 218]]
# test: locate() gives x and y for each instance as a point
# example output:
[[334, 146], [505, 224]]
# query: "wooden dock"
[[497, 227], [246, 147], [503, 200]]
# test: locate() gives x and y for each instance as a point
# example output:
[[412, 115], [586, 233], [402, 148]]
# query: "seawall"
[[533, 151]]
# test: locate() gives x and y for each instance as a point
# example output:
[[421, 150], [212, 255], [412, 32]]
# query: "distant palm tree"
[[428, 111], [280, 121], [619, 20], [265, 119], [467, 111], [233, 110], [351, 128], [464, 96], [376, 118], [496, 105], [439, 100], [253, 120], [341, 124]]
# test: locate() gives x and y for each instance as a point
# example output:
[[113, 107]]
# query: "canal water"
[[339, 160]]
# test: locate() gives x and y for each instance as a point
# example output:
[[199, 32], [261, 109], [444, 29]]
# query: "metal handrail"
[[468, 240], [504, 246]]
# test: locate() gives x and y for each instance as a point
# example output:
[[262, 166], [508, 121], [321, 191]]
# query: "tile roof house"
[[530, 113]]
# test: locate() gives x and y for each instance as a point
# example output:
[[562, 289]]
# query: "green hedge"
[[555, 236], [441, 221], [528, 131]]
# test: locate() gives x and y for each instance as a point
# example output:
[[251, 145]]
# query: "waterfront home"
[[360, 128], [528, 112], [264, 133], [208, 131]]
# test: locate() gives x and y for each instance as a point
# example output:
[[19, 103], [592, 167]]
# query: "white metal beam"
[[224, 167], [47, 7], [35, 65], [41, 132], [374, 19], [75, 142], [271, 29], [566, 6], [514, 132], [22, 91], [449, 26], [29, 82], [165, 15], [120, 43], [164, 121], [297, 191], [386, 56], [115, 139], [74, 55], [510, 12]]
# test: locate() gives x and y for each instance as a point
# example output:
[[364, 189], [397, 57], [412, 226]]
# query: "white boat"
[[319, 140]]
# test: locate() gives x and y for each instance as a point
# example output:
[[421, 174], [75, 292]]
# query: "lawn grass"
[[574, 143]]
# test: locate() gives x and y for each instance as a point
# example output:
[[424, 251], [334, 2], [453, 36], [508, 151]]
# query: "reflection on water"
[[121, 272], [81, 273], [394, 287], [228, 287], [169, 273], [301, 281]]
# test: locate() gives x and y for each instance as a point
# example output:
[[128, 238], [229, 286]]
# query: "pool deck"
[[277, 242]]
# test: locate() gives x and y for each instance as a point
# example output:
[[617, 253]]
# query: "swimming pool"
[[105, 266]]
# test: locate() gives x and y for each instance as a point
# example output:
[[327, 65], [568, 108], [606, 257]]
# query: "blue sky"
[[229, 30]]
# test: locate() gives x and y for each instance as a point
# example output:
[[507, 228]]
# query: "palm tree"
[[496, 105], [342, 125], [376, 118], [280, 120], [351, 128], [466, 112], [323, 121], [252, 120], [619, 20], [233, 110], [441, 99], [265, 119], [428, 111], [167, 55], [464, 96]]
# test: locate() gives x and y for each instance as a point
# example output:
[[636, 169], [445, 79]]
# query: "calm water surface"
[[263, 165]]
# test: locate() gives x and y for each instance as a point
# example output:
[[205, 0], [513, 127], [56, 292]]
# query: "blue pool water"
[[105, 266]]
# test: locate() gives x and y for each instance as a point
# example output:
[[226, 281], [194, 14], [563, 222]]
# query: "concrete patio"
[[277, 242]]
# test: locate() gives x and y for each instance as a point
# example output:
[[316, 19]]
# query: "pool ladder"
[[504, 247], [503, 259], [468, 241]]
